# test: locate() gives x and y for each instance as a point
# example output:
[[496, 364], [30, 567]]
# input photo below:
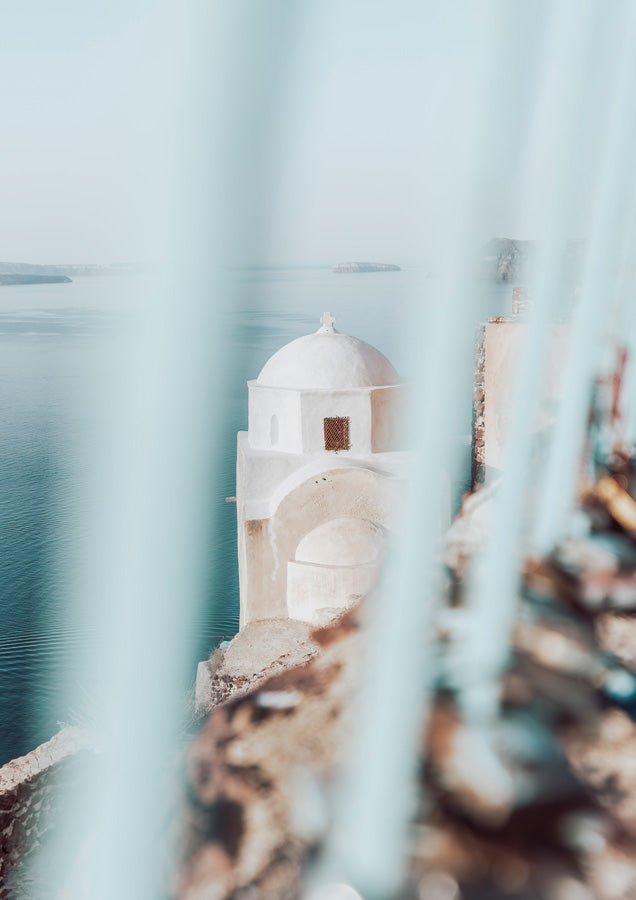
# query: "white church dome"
[[327, 360]]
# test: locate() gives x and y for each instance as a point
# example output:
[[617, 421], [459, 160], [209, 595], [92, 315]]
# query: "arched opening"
[[307, 499], [335, 565], [345, 541]]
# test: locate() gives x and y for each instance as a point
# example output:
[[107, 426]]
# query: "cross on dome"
[[328, 322]]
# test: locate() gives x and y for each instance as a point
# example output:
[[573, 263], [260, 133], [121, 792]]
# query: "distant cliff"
[[15, 268], [6, 279], [341, 268], [510, 260]]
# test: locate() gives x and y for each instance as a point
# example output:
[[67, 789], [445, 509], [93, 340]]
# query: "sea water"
[[54, 360]]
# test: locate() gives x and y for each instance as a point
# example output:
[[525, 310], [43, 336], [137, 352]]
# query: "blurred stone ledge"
[[30, 790]]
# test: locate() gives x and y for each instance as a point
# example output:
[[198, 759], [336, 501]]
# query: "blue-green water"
[[54, 342]]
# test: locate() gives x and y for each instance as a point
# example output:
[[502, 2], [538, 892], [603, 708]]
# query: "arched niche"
[[335, 565], [271, 543]]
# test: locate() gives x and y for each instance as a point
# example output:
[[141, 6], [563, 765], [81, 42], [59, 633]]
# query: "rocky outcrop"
[[253, 770], [539, 804], [346, 267], [261, 649], [260, 771], [29, 793]]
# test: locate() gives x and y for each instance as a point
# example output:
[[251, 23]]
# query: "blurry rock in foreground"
[[254, 801], [541, 806]]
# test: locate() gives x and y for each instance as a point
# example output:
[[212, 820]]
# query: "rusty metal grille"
[[337, 434]]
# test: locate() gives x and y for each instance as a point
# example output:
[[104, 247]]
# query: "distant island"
[[8, 278], [346, 267], [15, 268]]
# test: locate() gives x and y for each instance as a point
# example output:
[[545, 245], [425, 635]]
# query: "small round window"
[[273, 430]]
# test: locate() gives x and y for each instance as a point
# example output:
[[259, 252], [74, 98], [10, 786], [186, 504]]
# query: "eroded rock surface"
[[30, 789], [539, 805], [251, 772], [258, 651]]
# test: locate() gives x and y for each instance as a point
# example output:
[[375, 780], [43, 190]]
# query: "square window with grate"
[[337, 434]]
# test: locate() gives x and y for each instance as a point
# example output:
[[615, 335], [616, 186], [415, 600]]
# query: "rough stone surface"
[[29, 788], [604, 757], [252, 773], [497, 350], [260, 771], [478, 438], [617, 634], [259, 650], [536, 803]]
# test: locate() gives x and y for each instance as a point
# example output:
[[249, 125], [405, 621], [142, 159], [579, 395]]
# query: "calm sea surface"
[[54, 342]]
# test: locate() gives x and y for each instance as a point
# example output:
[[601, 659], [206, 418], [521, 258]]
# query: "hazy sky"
[[371, 97], [66, 171]]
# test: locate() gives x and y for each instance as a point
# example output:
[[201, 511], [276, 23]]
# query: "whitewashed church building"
[[319, 476]]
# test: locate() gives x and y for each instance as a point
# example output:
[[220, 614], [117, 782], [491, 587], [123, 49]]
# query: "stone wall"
[[499, 346], [478, 442], [29, 787]]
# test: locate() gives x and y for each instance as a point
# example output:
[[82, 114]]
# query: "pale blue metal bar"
[[599, 282], [366, 849], [496, 572], [150, 522], [626, 330]]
